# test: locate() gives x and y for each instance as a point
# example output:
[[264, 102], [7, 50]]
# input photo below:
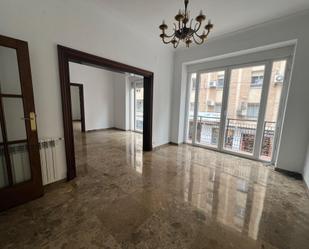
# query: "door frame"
[[66, 55], [268, 63], [81, 104]]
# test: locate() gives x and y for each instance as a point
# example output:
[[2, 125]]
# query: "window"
[[218, 107], [247, 142], [193, 83], [139, 105], [228, 115], [257, 78], [253, 110], [214, 135], [220, 82]]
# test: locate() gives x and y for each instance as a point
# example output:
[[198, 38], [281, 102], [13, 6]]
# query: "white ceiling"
[[227, 15]]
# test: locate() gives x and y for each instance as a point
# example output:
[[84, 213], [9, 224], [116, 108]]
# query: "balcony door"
[[20, 169], [238, 109], [205, 117], [138, 104]]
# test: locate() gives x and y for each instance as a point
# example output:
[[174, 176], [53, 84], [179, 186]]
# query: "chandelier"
[[184, 31]]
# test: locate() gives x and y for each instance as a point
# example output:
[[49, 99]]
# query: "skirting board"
[[105, 129], [295, 175], [164, 145], [160, 146], [176, 144]]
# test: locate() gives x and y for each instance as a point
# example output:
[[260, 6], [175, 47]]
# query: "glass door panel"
[[191, 108], [138, 105], [244, 97], [14, 119], [210, 94], [20, 164], [272, 109], [9, 72]]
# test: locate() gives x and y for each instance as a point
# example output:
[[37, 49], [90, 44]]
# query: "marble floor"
[[175, 197]]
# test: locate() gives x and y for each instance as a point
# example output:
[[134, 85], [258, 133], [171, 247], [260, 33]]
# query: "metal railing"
[[240, 134]]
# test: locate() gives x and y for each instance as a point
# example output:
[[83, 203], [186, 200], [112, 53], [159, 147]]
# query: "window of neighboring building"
[[218, 107], [253, 110], [220, 82], [257, 78], [193, 83]]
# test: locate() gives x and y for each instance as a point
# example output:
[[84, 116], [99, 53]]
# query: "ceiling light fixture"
[[184, 31]]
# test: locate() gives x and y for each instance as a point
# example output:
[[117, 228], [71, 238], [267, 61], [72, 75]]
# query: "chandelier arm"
[[167, 42], [200, 36], [199, 26], [198, 42], [169, 36], [172, 35]]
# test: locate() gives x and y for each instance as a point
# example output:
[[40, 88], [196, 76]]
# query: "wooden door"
[[20, 168]]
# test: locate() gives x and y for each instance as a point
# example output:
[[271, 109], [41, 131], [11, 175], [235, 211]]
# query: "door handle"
[[32, 119], [25, 118]]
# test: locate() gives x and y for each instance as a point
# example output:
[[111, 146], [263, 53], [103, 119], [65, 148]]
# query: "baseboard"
[[118, 129], [175, 144], [295, 175], [77, 120], [160, 146], [102, 129], [53, 184]]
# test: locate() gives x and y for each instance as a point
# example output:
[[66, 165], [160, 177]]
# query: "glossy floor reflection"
[[174, 197]]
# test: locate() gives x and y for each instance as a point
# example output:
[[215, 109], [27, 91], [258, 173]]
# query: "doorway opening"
[[78, 106], [67, 56]]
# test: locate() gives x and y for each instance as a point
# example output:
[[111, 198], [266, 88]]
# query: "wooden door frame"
[[81, 104], [66, 55]]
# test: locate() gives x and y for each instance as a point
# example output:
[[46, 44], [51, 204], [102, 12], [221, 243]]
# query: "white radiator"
[[49, 158]]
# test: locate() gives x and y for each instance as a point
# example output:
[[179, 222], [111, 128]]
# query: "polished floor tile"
[[175, 197]]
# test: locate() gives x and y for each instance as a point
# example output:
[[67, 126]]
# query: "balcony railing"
[[240, 134]]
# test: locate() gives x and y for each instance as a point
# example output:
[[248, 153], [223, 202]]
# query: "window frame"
[[267, 78]]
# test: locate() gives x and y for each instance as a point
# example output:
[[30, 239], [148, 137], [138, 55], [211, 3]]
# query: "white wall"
[[121, 102], [293, 145], [75, 103], [98, 95], [106, 96], [91, 27]]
